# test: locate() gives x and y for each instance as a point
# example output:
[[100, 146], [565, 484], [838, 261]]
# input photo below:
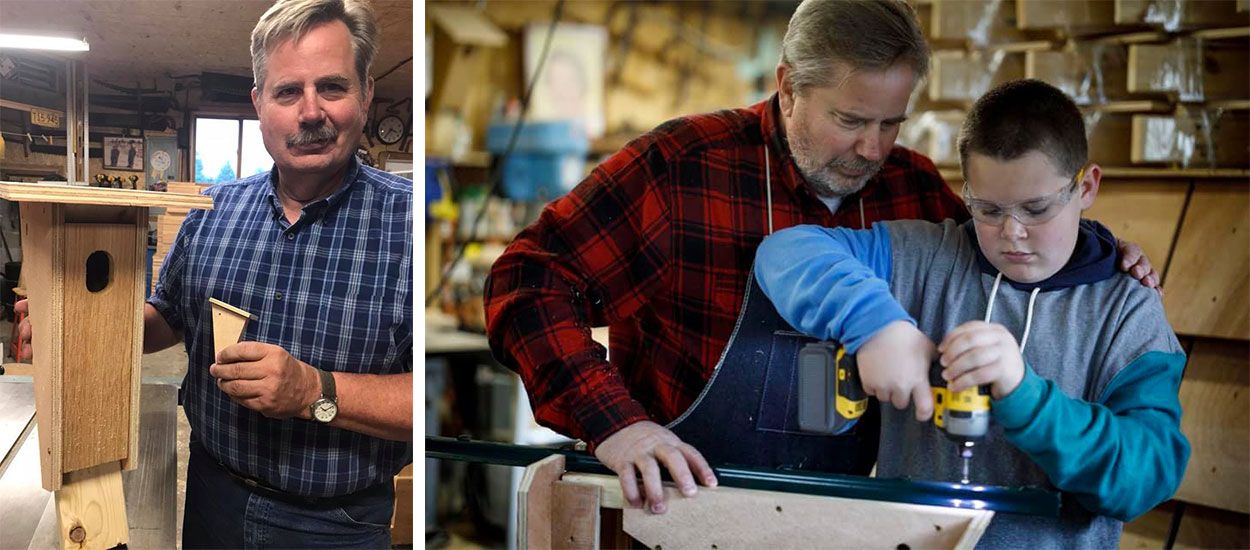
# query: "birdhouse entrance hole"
[[99, 271]]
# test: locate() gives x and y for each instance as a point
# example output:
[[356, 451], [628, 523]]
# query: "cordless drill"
[[832, 399]]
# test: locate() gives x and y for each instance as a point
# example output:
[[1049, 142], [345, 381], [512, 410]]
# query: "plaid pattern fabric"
[[657, 243], [333, 289]]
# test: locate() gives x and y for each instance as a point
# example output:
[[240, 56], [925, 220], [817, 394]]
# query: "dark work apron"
[[747, 415]]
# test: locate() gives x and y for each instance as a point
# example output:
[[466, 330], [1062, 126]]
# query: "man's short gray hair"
[[872, 35], [292, 19]]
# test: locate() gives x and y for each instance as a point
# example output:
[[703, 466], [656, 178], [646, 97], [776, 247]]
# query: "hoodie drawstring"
[[1028, 319]]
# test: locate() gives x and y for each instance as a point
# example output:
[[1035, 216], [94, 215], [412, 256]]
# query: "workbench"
[[28, 512]]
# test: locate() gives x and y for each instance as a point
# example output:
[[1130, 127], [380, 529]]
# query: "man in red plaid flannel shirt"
[[658, 242]]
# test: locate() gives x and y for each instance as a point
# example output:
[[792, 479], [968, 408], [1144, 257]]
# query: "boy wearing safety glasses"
[[1082, 366]]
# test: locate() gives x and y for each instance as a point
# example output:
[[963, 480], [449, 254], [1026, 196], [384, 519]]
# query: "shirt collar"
[[350, 177]]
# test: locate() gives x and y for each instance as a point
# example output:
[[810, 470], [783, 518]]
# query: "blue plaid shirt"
[[333, 290]]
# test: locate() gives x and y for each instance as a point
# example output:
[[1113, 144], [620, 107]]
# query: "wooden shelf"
[[1139, 172]]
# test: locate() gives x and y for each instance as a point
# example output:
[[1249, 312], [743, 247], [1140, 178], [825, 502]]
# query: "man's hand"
[[24, 331], [1134, 262], [977, 353], [894, 367], [266, 379], [638, 450]]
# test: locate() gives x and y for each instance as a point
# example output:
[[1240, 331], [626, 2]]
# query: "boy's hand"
[[894, 367], [977, 353]]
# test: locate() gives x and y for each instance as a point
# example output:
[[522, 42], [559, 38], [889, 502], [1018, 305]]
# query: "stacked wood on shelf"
[[1113, 61], [1163, 87], [167, 225]]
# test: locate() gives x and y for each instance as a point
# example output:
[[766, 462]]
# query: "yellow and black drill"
[[832, 399]]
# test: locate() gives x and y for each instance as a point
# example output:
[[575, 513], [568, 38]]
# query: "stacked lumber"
[[167, 225]]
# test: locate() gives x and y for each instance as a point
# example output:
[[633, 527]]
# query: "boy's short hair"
[[1022, 116]]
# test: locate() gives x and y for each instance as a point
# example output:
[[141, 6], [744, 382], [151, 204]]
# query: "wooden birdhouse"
[[84, 251]]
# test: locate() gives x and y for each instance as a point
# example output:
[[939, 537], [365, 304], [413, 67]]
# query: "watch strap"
[[327, 385]]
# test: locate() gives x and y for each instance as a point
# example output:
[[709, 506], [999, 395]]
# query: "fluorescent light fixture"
[[35, 42]]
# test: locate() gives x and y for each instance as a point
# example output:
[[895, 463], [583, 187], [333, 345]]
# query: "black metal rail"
[[1028, 501]]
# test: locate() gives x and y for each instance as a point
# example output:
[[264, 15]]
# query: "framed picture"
[[160, 157], [123, 153], [571, 86]]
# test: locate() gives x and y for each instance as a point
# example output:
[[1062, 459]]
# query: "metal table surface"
[[28, 513]]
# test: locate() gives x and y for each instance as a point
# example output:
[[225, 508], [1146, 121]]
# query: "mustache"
[[308, 136], [857, 164]]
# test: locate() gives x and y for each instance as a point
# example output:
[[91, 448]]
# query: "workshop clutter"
[[1161, 82]]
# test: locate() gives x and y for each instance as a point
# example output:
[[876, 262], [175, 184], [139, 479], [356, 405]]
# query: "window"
[[227, 149]]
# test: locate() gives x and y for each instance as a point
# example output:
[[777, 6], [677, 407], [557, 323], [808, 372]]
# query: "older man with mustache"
[[298, 430]]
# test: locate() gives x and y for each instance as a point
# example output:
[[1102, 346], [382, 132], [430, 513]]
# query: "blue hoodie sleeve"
[[832, 284], [1119, 457]]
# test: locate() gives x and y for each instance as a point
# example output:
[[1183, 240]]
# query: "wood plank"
[[1145, 212], [43, 248], [91, 508], [228, 324], [1197, 138], [99, 361], [575, 516], [534, 502], [1044, 14], [75, 194], [401, 519], [139, 239], [727, 517], [1206, 279], [1216, 420]]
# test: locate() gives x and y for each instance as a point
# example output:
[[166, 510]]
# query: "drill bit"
[[966, 455]]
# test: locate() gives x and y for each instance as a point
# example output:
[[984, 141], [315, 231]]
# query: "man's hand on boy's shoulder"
[[978, 353], [1134, 262], [894, 367]]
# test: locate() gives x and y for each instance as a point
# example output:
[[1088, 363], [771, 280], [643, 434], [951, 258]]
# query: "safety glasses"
[[1031, 212]]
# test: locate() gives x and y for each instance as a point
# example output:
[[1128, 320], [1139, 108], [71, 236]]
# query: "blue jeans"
[[223, 512]]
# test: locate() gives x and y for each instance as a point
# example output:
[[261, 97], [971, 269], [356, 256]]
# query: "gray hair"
[[871, 35], [292, 19]]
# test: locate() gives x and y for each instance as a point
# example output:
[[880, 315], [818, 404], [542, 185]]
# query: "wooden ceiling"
[[139, 42]]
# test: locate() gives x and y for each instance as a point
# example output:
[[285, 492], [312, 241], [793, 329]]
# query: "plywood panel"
[[99, 355], [43, 247], [1200, 527], [1146, 213], [1216, 420], [727, 517], [575, 515], [534, 500], [76, 194], [1206, 282]]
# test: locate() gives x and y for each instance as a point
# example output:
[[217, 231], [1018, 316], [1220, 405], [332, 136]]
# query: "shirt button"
[[290, 236], [277, 296]]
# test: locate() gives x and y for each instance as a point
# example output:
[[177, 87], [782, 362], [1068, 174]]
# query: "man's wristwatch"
[[325, 408]]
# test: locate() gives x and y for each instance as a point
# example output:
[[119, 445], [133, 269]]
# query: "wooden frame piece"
[[91, 508], [560, 510], [228, 324]]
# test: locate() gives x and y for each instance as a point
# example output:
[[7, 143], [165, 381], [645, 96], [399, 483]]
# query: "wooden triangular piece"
[[228, 323]]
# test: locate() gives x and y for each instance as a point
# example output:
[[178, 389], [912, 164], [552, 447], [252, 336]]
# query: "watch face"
[[391, 129], [324, 410]]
